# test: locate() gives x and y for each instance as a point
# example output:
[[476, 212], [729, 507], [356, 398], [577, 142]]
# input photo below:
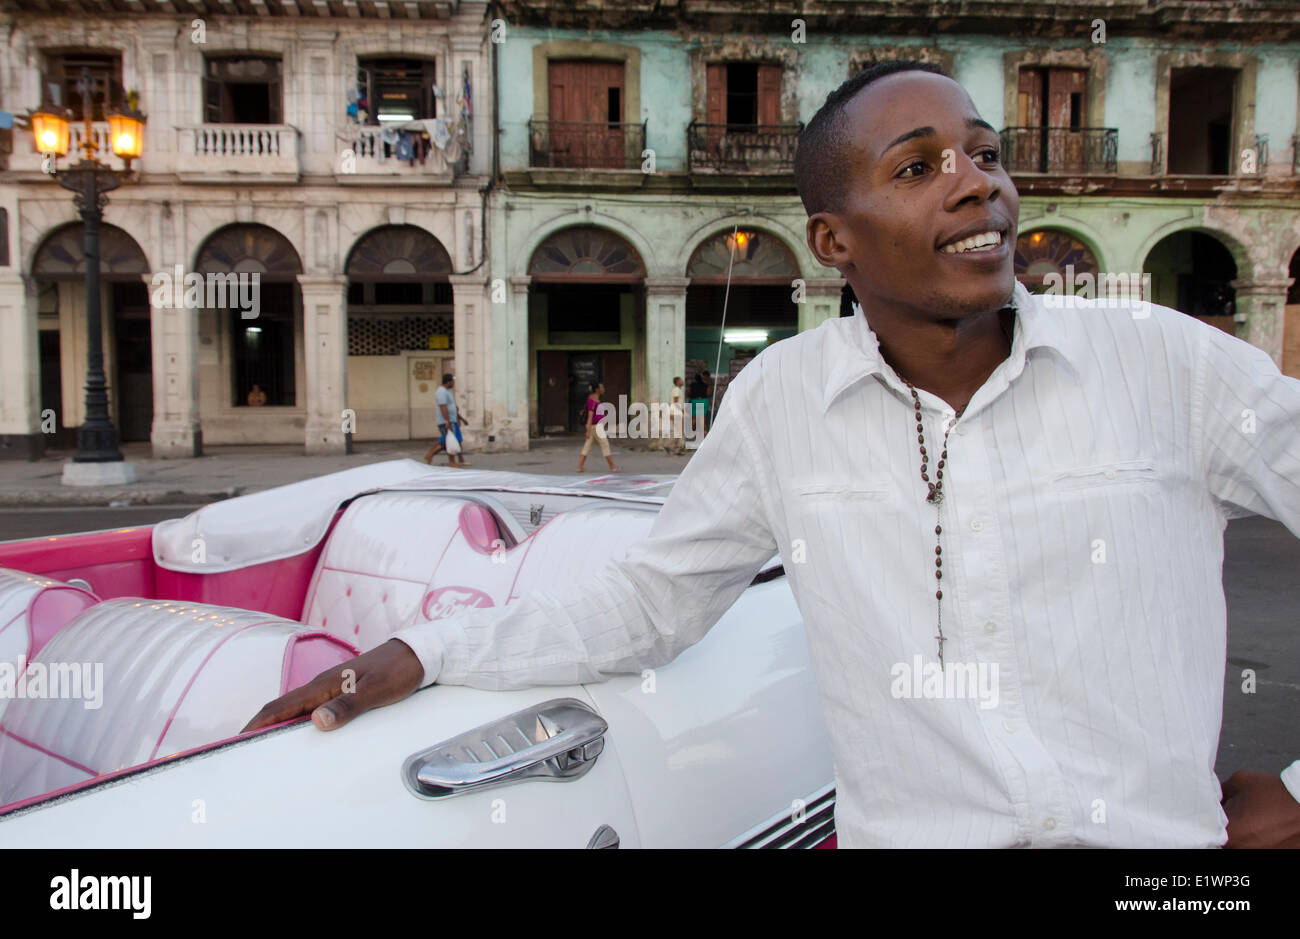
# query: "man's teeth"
[[982, 240]]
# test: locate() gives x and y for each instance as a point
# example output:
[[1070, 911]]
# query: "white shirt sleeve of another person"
[[1248, 414], [708, 541]]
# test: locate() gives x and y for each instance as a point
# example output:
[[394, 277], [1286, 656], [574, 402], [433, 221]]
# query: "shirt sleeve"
[[1249, 421], [661, 596]]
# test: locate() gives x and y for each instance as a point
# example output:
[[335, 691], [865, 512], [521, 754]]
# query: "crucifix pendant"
[[942, 640]]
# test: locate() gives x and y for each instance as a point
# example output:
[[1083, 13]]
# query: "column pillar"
[[325, 335], [510, 387], [1263, 302], [665, 341], [174, 337], [468, 296], [821, 301], [20, 370]]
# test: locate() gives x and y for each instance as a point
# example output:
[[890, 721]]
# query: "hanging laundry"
[[405, 148], [389, 137]]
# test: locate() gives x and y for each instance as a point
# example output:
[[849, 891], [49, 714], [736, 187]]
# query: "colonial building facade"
[[605, 194], [342, 156]]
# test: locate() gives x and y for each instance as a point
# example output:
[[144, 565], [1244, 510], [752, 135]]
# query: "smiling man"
[[979, 480]]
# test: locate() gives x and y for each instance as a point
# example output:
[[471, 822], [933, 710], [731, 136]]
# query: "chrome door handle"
[[557, 740]]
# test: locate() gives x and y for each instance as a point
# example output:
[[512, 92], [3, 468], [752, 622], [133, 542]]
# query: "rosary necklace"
[[935, 496]]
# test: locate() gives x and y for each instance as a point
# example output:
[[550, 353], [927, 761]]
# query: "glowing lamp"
[[50, 132]]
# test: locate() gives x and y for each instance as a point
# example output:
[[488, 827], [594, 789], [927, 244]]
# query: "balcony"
[[370, 161], [246, 153], [585, 145], [742, 149], [25, 157], [1061, 151]]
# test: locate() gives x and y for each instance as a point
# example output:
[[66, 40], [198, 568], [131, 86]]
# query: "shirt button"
[[976, 525], [1008, 726], [961, 430], [990, 627], [1050, 824], [1110, 474]]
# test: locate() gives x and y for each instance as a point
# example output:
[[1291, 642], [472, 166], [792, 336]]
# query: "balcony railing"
[[268, 152], [77, 136], [586, 144], [742, 148], [374, 159], [1060, 149]]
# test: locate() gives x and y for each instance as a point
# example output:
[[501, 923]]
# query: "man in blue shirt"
[[448, 419]]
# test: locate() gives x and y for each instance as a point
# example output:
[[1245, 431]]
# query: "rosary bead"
[[938, 530], [938, 550], [938, 575], [938, 594]]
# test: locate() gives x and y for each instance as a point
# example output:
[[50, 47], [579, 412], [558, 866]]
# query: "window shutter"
[[715, 94], [769, 94], [211, 100]]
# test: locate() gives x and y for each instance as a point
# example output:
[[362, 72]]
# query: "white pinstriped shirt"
[[1087, 487]]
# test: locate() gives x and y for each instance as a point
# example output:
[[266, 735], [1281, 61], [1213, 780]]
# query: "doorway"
[[564, 379], [133, 348]]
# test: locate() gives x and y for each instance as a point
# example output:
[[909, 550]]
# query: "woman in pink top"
[[595, 429]]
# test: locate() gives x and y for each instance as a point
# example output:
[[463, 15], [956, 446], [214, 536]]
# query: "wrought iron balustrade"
[[742, 148], [1060, 149]]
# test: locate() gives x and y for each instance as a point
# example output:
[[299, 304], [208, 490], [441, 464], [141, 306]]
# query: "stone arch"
[[761, 256], [248, 248], [791, 240], [398, 252], [1050, 248], [1240, 254], [62, 256], [578, 253], [591, 219]]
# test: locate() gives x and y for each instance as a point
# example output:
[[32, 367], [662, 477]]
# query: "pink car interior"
[[142, 679], [187, 658], [32, 610]]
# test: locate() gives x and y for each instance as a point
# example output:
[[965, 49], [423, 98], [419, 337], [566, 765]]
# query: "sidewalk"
[[226, 471]]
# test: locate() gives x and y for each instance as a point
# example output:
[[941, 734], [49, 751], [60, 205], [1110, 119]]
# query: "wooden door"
[[616, 375], [769, 94], [1065, 109], [553, 391], [715, 105], [587, 109], [1028, 145]]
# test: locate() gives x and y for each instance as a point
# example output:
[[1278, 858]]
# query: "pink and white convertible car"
[[131, 659]]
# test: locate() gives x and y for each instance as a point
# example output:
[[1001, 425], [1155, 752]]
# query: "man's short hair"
[[822, 160], [448, 377]]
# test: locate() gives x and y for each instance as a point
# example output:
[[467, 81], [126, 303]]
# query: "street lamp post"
[[98, 460]]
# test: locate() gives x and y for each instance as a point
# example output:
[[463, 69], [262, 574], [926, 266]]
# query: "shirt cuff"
[[1291, 779], [424, 641]]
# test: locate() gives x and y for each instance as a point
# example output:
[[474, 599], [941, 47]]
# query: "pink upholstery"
[[398, 558], [142, 679], [32, 610]]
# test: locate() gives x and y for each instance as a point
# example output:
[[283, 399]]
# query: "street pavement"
[[225, 471]]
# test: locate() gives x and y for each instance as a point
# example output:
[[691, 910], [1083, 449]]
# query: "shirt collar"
[[1036, 327]]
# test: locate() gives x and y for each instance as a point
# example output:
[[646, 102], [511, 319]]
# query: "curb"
[[43, 498]]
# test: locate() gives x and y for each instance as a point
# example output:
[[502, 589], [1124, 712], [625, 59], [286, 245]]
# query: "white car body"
[[725, 746]]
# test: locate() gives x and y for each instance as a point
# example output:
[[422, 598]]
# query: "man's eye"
[[991, 156], [914, 163]]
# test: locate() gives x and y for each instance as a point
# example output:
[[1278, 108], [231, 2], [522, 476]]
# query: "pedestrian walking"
[[676, 429], [449, 421], [699, 392], [595, 429]]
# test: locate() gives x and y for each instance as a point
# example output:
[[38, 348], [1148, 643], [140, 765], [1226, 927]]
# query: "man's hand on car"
[[384, 675]]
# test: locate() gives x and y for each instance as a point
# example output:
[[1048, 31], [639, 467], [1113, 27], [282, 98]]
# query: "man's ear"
[[823, 232]]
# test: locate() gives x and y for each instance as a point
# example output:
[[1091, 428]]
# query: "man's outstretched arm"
[[1249, 414], [708, 541]]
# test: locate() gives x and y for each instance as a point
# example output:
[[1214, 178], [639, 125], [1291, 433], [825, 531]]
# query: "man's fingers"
[[337, 711], [300, 701]]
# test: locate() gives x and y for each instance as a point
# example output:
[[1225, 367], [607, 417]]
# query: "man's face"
[[901, 206]]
